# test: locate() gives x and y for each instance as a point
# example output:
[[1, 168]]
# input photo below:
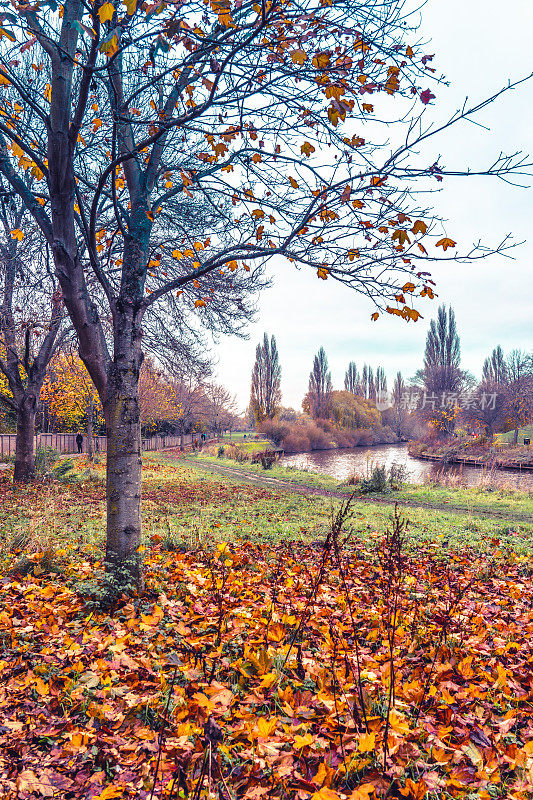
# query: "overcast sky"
[[479, 45]]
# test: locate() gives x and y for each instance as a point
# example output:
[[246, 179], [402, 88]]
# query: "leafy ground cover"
[[279, 650]]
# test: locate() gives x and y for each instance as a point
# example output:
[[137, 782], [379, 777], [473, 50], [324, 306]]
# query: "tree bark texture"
[[123, 562], [25, 443]]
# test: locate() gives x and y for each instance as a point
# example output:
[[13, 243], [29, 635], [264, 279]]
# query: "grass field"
[[508, 438], [471, 499], [184, 505]]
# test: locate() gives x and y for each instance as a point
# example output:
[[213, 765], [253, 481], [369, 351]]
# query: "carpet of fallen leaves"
[[254, 670]]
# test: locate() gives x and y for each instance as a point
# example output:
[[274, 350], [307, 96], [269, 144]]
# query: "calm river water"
[[348, 461]]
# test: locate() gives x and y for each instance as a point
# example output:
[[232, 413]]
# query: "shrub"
[[275, 431], [241, 456], [364, 438], [45, 458], [318, 438], [326, 425], [64, 471], [382, 480], [220, 452], [266, 457], [378, 481], [398, 474], [296, 442]]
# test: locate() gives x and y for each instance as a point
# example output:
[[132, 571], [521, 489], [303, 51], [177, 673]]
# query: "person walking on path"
[[79, 442]]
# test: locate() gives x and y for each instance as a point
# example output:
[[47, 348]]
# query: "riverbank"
[[471, 454], [482, 500], [259, 649]]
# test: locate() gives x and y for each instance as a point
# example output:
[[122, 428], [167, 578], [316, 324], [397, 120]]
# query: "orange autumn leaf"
[[298, 56], [445, 243], [367, 742]]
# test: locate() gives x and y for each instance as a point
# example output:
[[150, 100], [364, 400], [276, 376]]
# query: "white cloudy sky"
[[479, 45]]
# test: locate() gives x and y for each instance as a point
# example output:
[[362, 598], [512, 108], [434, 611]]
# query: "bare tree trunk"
[[90, 452], [123, 562], [25, 443]]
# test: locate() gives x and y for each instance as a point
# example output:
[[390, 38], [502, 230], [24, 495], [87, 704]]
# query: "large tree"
[[381, 382], [371, 385], [31, 316], [400, 414], [487, 406], [364, 381], [219, 408], [125, 110], [442, 356], [69, 394], [320, 386], [265, 396]]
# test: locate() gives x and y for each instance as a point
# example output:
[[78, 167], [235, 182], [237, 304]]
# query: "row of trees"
[[321, 402], [365, 384], [440, 393], [501, 400], [68, 401]]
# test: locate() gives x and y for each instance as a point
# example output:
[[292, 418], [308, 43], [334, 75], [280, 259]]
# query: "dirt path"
[[267, 482]]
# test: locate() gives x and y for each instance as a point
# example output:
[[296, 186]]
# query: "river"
[[345, 462]]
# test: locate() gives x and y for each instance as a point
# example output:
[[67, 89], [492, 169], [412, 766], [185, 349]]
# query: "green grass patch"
[[472, 499], [508, 438], [186, 507]]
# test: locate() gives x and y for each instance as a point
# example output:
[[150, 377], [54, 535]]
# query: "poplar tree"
[[320, 386], [266, 380], [351, 379]]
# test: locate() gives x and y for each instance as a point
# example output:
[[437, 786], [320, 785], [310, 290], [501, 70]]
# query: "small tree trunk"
[[123, 563], [25, 443], [90, 452], [515, 438]]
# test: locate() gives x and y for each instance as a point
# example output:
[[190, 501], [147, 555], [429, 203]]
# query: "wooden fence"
[[65, 443]]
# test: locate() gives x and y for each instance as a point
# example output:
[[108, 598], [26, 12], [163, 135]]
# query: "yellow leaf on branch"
[[106, 12], [298, 56]]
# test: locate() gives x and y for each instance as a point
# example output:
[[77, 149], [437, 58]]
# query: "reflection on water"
[[343, 463]]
